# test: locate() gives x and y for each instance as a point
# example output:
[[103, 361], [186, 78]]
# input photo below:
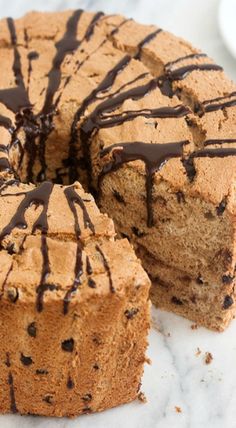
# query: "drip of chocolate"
[[68, 44], [73, 198], [107, 268], [107, 121], [89, 269], [77, 281], [221, 98], [153, 155], [213, 153], [145, 41], [5, 122], [220, 141], [15, 98], [37, 196], [170, 64], [32, 56], [106, 83], [170, 76], [219, 106]]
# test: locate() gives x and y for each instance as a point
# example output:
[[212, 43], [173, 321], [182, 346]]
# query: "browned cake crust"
[[148, 123]]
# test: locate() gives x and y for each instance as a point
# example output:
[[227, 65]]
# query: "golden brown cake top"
[[84, 94], [75, 77]]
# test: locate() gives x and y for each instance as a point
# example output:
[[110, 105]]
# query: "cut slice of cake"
[[76, 317]]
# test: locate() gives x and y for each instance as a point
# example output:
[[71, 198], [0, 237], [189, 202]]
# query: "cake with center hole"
[[146, 122]]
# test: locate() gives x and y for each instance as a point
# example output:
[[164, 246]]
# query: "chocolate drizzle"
[[153, 155], [32, 56], [15, 98], [73, 198], [165, 81], [107, 268], [145, 41]]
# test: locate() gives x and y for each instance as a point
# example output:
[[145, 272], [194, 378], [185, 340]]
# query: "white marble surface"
[[178, 376]]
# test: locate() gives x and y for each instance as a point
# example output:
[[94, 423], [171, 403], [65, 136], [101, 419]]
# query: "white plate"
[[227, 23]]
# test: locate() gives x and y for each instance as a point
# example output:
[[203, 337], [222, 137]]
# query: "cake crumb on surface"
[[194, 326], [198, 352], [208, 358], [142, 397]]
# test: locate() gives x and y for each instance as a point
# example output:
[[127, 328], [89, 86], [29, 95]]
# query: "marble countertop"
[[182, 390]]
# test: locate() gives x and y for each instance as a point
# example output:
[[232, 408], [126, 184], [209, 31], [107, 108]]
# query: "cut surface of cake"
[[76, 317], [148, 124]]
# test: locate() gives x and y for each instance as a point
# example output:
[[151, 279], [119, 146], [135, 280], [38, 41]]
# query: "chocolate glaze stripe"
[[89, 269], [126, 116], [72, 199], [39, 195], [145, 41], [15, 98], [232, 94], [170, 64], [219, 141], [91, 27], [68, 44], [77, 281], [213, 153], [214, 107], [6, 123], [32, 56], [153, 155], [165, 81], [125, 85], [107, 268], [113, 103], [105, 85]]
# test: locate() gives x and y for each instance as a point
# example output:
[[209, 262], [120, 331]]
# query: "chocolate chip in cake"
[[13, 294], [209, 216], [97, 340], [41, 372], [130, 313], [221, 207], [70, 384], [87, 397], [228, 301], [180, 197], [48, 399], [137, 232], [68, 345], [7, 362], [31, 329], [176, 301], [27, 361], [118, 196], [96, 366], [227, 279], [199, 280], [91, 283]]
